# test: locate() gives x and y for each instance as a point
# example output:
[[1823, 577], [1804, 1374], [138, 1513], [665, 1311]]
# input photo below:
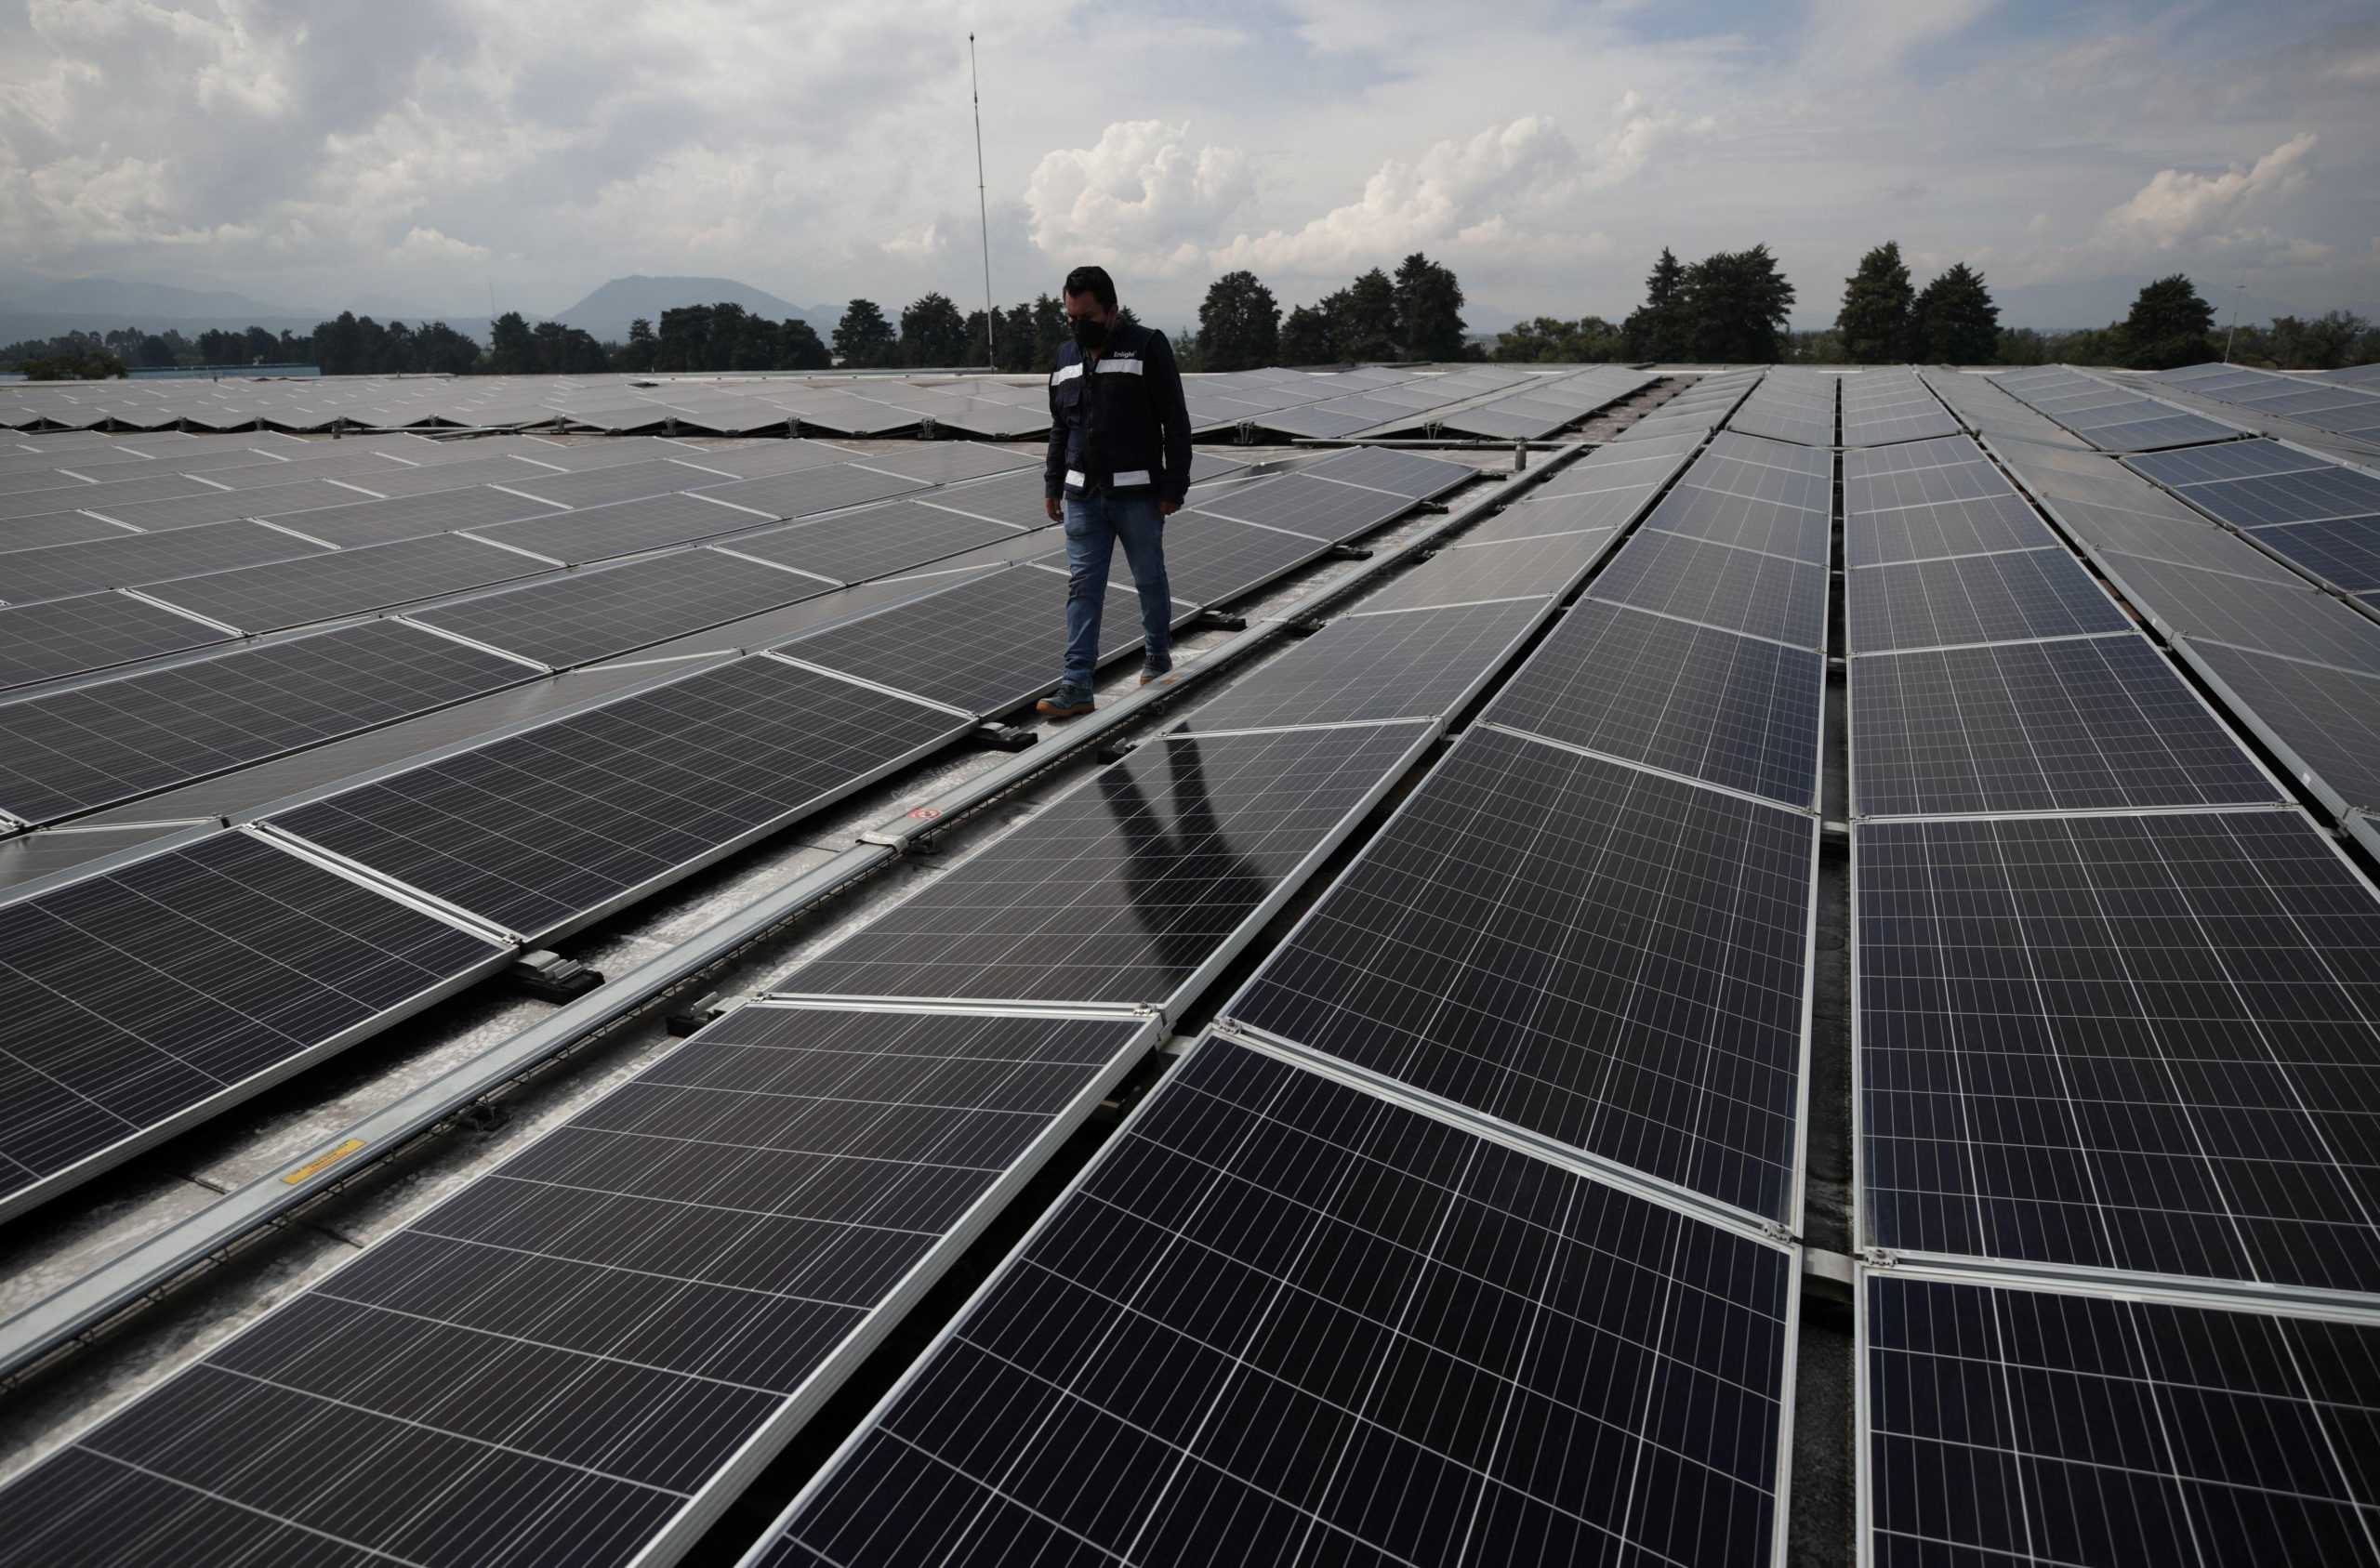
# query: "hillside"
[[607, 312]]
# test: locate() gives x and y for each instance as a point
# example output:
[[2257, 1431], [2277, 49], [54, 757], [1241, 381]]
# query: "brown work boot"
[[1067, 701]]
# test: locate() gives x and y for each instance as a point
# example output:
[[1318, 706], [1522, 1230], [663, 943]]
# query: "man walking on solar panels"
[[1118, 466]]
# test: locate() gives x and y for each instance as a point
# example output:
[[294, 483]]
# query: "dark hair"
[[1094, 282]]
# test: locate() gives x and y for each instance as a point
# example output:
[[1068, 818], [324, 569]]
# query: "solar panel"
[[1012, 498], [1948, 528], [2182, 1432], [1410, 474], [1877, 490], [431, 478], [1690, 699], [1131, 886], [1605, 956], [66, 752], [814, 490], [624, 481], [581, 616], [1470, 574], [765, 458], [227, 505], [2015, 597], [983, 646], [1280, 1319], [145, 997], [2297, 497], [1742, 521], [673, 1278], [1562, 514], [290, 593], [128, 560], [548, 826], [54, 528], [1303, 504], [2330, 718], [624, 527], [1209, 559], [2122, 1042], [2234, 459], [947, 462], [1721, 586], [71, 636], [2294, 618], [1406, 663], [2346, 552], [2082, 724], [382, 522], [67, 494], [875, 542]]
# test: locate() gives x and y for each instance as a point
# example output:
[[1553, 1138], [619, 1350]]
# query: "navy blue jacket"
[[1119, 423]]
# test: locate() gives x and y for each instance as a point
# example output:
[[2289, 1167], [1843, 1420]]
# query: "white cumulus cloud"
[[1140, 194], [2177, 205], [429, 244]]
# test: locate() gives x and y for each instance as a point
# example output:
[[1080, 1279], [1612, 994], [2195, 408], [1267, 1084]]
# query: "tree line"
[[1729, 307]]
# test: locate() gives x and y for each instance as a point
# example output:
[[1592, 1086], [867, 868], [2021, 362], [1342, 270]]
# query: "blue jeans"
[[1094, 525]]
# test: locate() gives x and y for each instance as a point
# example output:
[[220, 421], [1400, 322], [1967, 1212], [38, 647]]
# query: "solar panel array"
[[1790, 405], [1495, 1283], [2263, 398], [2321, 516], [2109, 418], [540, 828], [1884, 406], [2117, 1039], [2299, 666]]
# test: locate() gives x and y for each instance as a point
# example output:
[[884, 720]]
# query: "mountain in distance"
[[114, 297], [606, 314]]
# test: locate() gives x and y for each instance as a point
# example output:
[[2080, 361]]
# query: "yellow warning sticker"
[[323, 1161]]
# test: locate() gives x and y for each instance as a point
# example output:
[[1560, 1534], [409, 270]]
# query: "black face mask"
[[1090, 334]]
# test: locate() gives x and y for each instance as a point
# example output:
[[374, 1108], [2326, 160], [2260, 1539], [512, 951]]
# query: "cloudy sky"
[[351, 152]]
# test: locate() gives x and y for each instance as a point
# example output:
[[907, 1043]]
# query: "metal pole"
[[982, 205], [2233, 336]]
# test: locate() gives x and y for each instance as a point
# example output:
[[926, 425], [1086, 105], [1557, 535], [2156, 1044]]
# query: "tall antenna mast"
[[982, 205]]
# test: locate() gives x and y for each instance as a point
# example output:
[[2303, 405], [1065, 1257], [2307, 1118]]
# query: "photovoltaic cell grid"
[[2041, 1426], [1280, 1319], [132, 560], [2015, 597], [322, 587], [1409, 663], [2082, 724], [1688, 698], [1304, 504], [1123, 889], [1791, 407], [2107, 416], [2294, 618], [2340, 401], [983, 646], [140, 995], [1750, 521], [599, 532], [1410, 474], [1208, 559], [382, 522], [1600, 955], [814, 490], [2147, 1043], [66, 752], [580, 616], [1720, 586], [2330, 718], [873, 542], [1471, 574], [569, 1351], [541, 828], [70, 636], [1884, 406]]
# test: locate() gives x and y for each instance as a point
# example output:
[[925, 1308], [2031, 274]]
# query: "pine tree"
[[1874, 318], [1955, 321], [1657, 329], [2168, 327], [1239, 324], [1305, 338], [1363, 319], [1735, 305], [1429, 310], [863, 336]]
